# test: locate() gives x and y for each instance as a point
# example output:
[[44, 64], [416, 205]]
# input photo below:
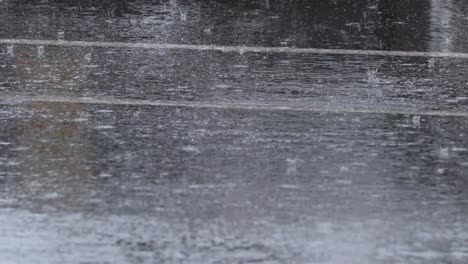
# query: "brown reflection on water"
[[52, 139]]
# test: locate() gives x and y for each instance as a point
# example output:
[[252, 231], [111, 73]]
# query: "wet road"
[[187, 155]]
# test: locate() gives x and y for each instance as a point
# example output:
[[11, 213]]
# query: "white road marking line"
[[303, 107], [238, 49]]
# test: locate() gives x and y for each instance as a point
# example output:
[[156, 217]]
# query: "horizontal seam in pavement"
[[308, 107], [239, 49]]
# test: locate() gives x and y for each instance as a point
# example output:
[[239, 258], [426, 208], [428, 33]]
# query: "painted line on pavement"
[[323, 107], [237, 49]]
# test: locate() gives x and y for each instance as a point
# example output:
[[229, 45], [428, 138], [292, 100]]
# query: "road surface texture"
[[219, 132]]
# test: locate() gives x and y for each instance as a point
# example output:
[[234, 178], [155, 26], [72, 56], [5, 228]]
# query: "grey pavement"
[[216, 148]]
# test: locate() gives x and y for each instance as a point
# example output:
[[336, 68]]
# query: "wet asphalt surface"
[[199, 156]]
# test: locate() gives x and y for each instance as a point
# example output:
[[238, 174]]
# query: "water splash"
[[183, 15], [242, 51], [448, 40], [372, 76], [10, 50], [207, 30], [40, 51], [431, 63], [444, 153], [416, 120], [88, 57], [291, 166], [61, 35]]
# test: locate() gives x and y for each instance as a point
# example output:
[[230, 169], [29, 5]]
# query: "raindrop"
[[51, 196], [104, 175], [459, 149], [103, 127], [355, 25], [193, 149]]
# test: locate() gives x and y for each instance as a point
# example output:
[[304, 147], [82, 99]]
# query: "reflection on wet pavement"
[[129, 155], [371, 24]]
